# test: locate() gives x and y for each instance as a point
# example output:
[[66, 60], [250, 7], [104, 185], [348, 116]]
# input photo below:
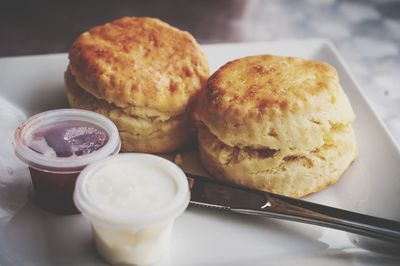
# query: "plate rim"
[[324, 43]]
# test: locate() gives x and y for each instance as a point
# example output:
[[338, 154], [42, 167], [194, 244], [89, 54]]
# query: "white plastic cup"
[[131, 217]]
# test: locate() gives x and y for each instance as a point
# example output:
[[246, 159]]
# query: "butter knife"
[[211, 193]]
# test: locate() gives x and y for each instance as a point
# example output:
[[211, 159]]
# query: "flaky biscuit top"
[[274, 102], [139, 62]]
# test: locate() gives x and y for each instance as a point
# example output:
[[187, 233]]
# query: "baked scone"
[[143, 74], [275, 123]]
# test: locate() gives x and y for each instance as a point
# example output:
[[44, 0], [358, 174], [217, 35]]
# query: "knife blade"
[[208, 192]]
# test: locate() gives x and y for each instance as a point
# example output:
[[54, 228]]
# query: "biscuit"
[[274, 102], [290, 175], [278, 124], [137, 132], [143, 74]]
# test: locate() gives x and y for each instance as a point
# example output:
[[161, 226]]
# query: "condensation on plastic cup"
[[40, 139], [131, 201]]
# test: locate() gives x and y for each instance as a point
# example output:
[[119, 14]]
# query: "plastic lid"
[[145, 165], [65, 127]]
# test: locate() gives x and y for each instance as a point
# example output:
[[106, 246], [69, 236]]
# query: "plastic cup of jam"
[[57, 145], [132, 201]]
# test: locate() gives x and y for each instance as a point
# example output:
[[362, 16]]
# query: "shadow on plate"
[[37, 237]]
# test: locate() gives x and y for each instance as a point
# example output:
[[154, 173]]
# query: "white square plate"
[[30, 236]]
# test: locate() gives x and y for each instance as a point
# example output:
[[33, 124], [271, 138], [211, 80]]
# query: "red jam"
[[53, 190], [57, 145], [67, 139]]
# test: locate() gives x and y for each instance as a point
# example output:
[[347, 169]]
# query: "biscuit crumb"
[[178, 159]]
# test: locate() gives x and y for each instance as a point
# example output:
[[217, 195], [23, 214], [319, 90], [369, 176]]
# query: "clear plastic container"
[[57, 145], [131, 201]]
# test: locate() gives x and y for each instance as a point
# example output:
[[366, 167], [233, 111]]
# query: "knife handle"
[[281, 207]]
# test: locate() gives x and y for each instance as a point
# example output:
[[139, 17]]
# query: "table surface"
[[367, 33]]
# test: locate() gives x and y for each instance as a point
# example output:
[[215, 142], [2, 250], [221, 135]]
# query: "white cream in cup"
[[132, 200]]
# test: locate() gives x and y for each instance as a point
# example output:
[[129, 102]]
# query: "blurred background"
[[367, 33]]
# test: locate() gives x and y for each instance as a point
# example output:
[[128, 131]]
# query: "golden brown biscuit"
[[290, 175], [275, 123], [274, 102], [140, 62], [137, 132], [143, 74]]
